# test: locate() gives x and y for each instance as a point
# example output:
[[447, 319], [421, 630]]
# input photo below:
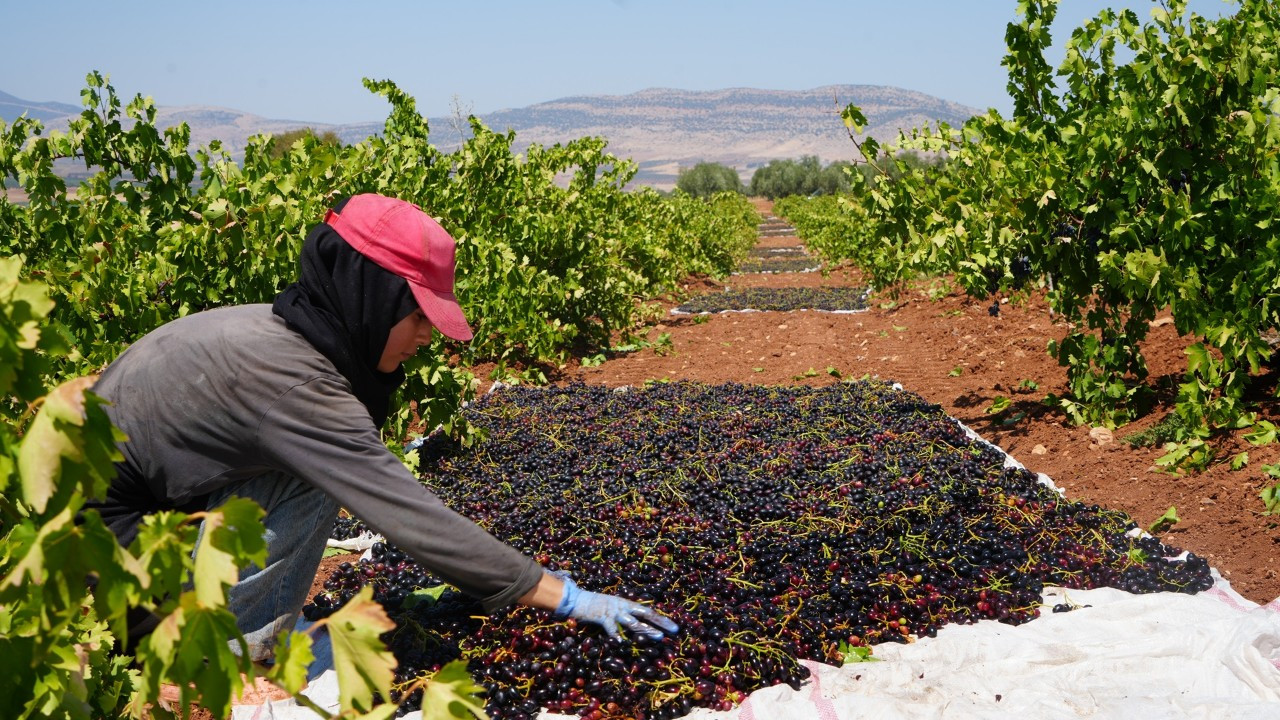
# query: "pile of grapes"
[[779, 299], [347, 528], [789, 263], [777, 252], [774, 524]]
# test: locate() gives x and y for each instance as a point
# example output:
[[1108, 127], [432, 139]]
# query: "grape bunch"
[[1020, 268], [779, 299], [788, 263], [391, 573], [776, 525], [767, 253], [347, 527]]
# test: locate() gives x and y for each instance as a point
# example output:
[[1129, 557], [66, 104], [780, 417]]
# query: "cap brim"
[[443, 311]]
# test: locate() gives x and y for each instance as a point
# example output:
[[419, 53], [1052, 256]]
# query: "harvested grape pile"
[[831, 299], [788, 263], [774, 524], [346, 528], [777, 252]]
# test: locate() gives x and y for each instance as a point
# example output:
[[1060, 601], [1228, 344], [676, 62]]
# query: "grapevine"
[[163, 230], [1123, 189]]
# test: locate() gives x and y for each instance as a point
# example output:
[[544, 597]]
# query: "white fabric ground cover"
[[1118, 655], [1164, 655]]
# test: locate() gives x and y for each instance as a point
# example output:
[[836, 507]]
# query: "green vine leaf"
[[235, 530], [363, 663], [1165, 521], [451, 694]]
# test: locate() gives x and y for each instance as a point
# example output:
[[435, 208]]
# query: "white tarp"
[[359, 543], [1212, 655]]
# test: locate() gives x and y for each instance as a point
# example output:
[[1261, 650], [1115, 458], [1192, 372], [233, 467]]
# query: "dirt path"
[[953, 352]]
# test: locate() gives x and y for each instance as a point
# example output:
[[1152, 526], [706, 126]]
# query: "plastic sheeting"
[[359, 543], [1164, 655]]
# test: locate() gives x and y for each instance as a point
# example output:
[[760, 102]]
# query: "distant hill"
[[11, 107], [663, 130]]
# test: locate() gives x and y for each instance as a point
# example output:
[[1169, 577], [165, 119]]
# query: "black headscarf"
[[345, 305]]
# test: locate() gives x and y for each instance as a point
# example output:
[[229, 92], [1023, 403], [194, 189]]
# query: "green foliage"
[[1165, 521], [782, 178], [999, 405], [820, 222], [706, 179], [552, 253], [363, 664], [1271, 494], [452, 694], [1170, 429], [284, 142], [1134, 187], [890, 167], [856, 653]]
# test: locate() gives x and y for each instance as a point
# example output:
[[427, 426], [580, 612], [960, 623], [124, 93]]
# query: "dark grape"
[[789, 263], [346, 528], [769, 253], [1020, 268]]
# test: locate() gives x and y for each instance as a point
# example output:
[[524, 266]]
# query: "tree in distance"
[[807, 176], [281, 143], [707, 178]]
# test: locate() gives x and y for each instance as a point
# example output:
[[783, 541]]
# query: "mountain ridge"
[[661, 129]]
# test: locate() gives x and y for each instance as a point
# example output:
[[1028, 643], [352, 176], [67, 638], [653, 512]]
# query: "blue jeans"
[[299, 519]]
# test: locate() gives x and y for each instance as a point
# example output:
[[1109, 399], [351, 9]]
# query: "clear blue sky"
[[304, 60]]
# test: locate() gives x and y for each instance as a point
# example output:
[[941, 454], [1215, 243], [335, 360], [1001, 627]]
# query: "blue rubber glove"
[[611, 611]]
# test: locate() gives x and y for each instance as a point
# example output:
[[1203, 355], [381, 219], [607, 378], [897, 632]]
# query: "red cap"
[[402, 239]]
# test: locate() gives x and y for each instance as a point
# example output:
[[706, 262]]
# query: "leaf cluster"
[[804, 176], [707, 178]]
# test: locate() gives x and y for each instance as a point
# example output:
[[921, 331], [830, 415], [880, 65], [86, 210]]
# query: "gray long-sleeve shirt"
[[232, 393]]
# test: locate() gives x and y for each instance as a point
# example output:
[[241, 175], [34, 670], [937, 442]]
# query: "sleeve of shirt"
[[322, 434]]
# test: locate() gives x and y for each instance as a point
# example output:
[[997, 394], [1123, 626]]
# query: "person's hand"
[[611, 611]]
